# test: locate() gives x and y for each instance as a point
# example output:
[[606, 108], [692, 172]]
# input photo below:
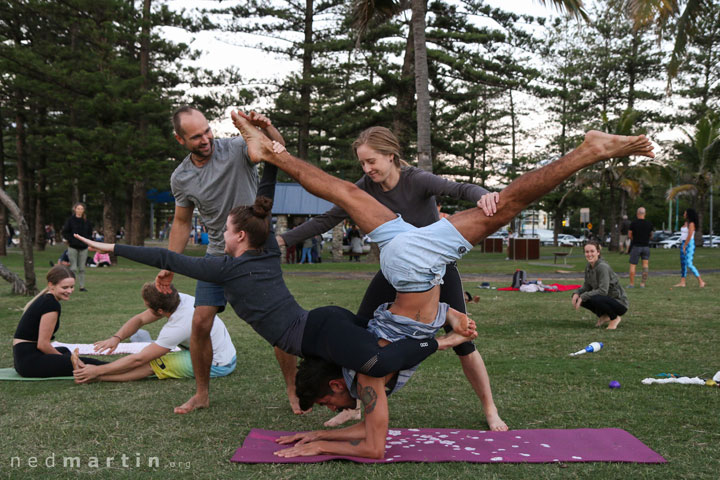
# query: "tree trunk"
[[337, 239], [402, 115], [137, 214], [3, 210], [421, 86], [22, 169], [304, 132], [109, 222], [30, 284]]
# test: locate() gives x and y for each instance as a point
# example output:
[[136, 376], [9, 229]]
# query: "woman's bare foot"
[[259, 146], [602, 321], [604, 145], [614, 323], [453, 339], [345, 416], [681, 284], [75, 360], [460, 322], [195, 402], [701, 283], [495, 423], [294, 401]]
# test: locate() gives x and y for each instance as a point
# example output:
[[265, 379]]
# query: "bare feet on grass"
[[347, 415], [495, 423], [295, 401], [614, 323], [453, 339], [604, 145], [259, 146], [602, 321], [196, 402], [681, 284]]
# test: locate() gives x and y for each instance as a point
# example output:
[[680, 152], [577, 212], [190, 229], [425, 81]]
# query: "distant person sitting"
[[102, 259], [639, 232], [157, 357]]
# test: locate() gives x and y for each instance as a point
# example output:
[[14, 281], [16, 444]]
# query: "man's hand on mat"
[[196, 402], [99, 246], [488, 203], [163, 281], [301, 438], [106, 347], [305, 450], [85, 374], [295, 402]]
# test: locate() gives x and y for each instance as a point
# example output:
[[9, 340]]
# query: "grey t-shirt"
[[229, 179], [413, 198]]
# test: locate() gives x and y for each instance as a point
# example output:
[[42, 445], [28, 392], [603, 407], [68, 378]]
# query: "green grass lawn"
[[525, 340]]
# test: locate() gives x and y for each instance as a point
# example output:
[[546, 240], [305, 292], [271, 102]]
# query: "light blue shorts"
[[414, 259]]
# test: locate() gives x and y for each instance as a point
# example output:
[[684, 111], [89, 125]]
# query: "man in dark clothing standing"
[[639, 233]]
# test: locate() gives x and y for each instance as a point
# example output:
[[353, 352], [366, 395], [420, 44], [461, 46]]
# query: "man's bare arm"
[[179, 235], [371, 391]]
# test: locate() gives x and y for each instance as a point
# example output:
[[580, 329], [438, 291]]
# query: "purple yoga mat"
[[475, 446]]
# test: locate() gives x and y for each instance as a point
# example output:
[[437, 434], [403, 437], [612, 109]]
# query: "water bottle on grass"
[[593, 347]]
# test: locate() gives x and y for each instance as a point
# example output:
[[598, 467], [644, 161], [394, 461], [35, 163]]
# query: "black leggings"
[[339, 336], [603, 305], [31, 362], [451, 292]]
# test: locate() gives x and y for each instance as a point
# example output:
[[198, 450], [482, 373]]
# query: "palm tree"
[[659, 12], [367, 12], [698, 160]]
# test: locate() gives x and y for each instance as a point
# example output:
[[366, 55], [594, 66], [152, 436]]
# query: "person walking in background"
[[356, 243], [306, 250], [624, 229], [639, 232], [77, 250], [601, 293], [687, 247]]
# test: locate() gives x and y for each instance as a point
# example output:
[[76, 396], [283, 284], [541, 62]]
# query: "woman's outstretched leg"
[[367, 212]]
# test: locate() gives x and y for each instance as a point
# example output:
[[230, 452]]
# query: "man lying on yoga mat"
[[413, 259], [158, 358], [252, 280]]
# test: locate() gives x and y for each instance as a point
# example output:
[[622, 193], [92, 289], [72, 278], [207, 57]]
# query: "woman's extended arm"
[[208, 269]]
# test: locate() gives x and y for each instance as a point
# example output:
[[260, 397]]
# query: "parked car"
[[658, 237], [715, 241], [671, 242], [567, 239]]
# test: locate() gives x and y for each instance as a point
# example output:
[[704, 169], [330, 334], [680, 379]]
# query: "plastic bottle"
[[593, 347]]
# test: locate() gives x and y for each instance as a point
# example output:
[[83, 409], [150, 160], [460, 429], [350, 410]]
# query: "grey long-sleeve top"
[[601, 280], [413, 198]]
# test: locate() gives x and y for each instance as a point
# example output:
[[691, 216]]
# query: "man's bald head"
[[641, 212]]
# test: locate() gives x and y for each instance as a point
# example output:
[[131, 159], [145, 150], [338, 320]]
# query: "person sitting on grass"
[[158, 358], [33, 353], [601, 293]]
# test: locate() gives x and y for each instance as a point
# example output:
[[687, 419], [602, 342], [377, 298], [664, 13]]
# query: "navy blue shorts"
[[210, 294]]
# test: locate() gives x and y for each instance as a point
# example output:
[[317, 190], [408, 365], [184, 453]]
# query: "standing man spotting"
[[639, 234], [216, 176]]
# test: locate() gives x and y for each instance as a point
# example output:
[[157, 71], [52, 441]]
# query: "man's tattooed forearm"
[[368, 397]]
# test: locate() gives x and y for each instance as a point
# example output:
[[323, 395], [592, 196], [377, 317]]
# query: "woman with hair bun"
[[601, 293], [33, 353], [252, 280], [687, 247]]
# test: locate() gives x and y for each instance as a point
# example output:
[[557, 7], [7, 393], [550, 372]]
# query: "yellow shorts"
[[179, 365]]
